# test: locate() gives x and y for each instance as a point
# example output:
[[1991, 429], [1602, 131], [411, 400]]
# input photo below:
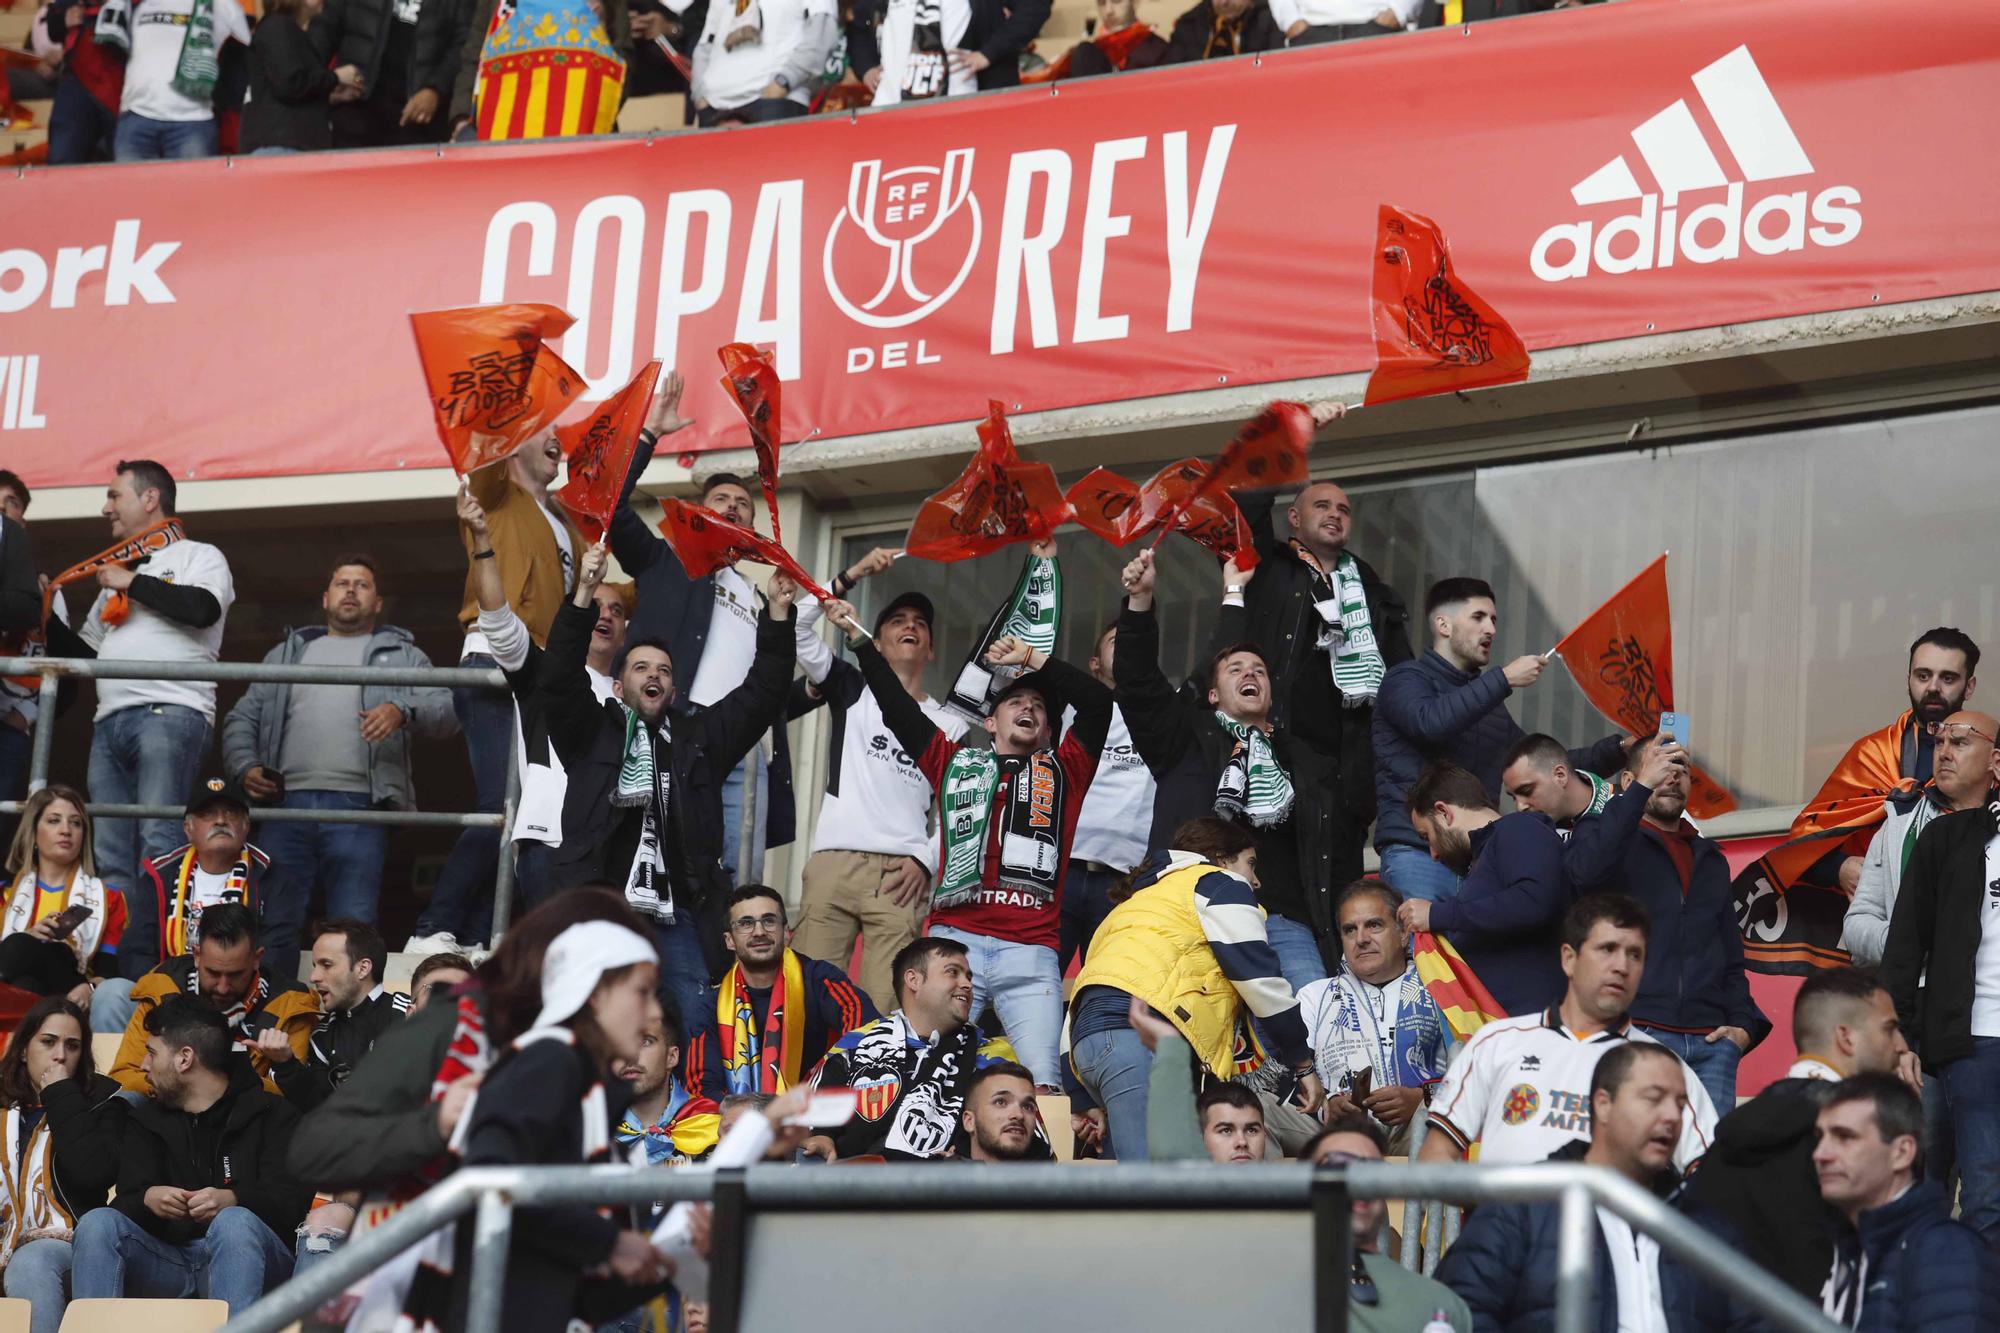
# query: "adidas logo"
[[1678, 154]]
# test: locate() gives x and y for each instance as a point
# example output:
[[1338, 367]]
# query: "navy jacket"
[[676, 610], [1428, 709], [1926, 1272], [1505, 915], [1503, 1265]]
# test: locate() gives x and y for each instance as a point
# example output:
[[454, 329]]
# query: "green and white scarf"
[[1032, 613], [965, 813], [1033, 832], [1349, 636], [195, 75], [1254, 787], [1600, 793], [642, 782]]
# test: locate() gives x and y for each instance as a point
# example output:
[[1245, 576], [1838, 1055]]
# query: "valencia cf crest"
[[874, 1097]]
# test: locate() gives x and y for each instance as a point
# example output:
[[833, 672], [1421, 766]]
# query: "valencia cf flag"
[[1433, 334], [600, 449], [494, 383], [704, 542], [997, 501], [751, 382]]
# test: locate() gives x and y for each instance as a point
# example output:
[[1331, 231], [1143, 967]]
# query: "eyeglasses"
[[1961, 732], [749, 923]]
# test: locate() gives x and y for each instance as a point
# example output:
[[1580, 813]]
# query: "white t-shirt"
[[565, 549], [876, 798], [913, 76], [732, 637], [1117, 812], [1520, 1088], [150, 636], [1635, 1274], [538, 818], [158, 29], [734, 78], [1343, 13], [1986, 962]]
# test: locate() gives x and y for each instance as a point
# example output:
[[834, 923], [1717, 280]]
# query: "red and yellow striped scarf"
[[766, 1060]]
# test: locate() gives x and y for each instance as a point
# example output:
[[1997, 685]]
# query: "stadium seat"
[[1055, 1122], [189, 1316], [661, 111], [13, 1315], [104, 1049]]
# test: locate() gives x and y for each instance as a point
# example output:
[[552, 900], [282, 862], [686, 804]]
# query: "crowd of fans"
[[1190, 852], [127, 81]]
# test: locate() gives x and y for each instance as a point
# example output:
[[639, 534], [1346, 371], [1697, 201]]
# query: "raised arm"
[[739, 719], [1161, 727], [569, 705], [915, 733], [635, 544]]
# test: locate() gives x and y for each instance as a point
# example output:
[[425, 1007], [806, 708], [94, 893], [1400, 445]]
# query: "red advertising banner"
[[1602, 173]]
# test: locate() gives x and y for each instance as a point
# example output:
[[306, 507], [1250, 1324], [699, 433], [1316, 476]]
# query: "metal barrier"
[[53, 669], [491, 1194]]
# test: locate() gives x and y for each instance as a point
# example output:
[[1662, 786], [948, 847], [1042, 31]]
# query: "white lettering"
[[1833, 208], [1578, 263], [1639, 226], [540, 220], [1024, 258], [19, 374], [1100, 225], [860, 359], [677, 299], [1729, 215], [34, 277], [1793, 208], [1187, 229], [130, 272], [774, 232], [630, 215], [72, 262]]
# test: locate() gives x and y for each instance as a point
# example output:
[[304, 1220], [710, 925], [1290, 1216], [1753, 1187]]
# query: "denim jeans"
[[111, 1006], [80, 127], [1713, 1062], [751, 773], [310, 1250], [38, 1273], [143, 139], [337, 864], [1411, 872], [148, 754], [1973, 1084], [1086, 901], [462, 902], [1024, 985], [1114, 1067], [238, 1261], [534, 875], [684, 973], [1298, 952]]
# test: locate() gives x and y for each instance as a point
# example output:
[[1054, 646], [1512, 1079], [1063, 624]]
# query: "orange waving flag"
[[494, 384], [751, 381], [997, 501], [704, 542], [600, 449], [1433, 334]]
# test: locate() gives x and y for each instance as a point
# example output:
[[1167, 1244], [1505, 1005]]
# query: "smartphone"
[[1360, 1082], [64, 923], [1676, 725]]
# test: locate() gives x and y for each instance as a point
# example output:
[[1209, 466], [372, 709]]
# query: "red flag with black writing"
[[751, 381], [704, 542], [1174, 499], [1433, 334], [600, 448], [997, 501], [1107, 504], [1269, 450], [494, 382]]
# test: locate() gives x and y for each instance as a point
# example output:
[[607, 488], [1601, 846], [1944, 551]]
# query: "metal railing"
[[53, 669], [491, 1194]]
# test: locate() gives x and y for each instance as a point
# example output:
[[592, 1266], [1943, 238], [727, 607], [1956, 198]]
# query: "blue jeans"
[[534, 876], [462, 902], [1024, 985], [1298, 952], [111, 1006], [751, 769], [1086, 901], [684, 972], [1713, 1062], [1411, 872], [1973, 1084], [238, 1261], [38, 1273], [1114, 1067], [339, 864], [148, 754], [80, 127], [142, 139]]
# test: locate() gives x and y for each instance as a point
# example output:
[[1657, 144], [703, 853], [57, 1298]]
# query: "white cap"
[[578, 958]]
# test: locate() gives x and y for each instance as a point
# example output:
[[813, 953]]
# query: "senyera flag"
[[751, 381], [494, 382], [1433, 334], [997, 501], [1622, 658], [600, 448], [1270, 450], [704, 542], [1462, 1001]]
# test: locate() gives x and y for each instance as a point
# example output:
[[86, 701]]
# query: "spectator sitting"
[[50, 875], [1504, 1262], [1000, 1118], [1450, 704], [911, 1069], [215, 867], [1189, 942], [908, 51], [1189, 1116], [405, 57], [1382, 1295], [336, 747], [1232, 1124], [1376, 1033], [672, 1125], [1307, 22], [649, 70], [1758, 1176], [227, 970], [1512, 1087], [437, 976], [64, 1127], [1121, 42], [777, 1011], [205, 1206], [1901, 1262], [759, 63], [1503, 916], [738, 1104], [1213, 29], [354, 1012], [176, 83], [292, 90]]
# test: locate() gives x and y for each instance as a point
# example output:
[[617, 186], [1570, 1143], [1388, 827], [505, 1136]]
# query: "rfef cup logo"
[[896, 213]]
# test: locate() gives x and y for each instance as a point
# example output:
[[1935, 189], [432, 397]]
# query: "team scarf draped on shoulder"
[[180, 927], [117, 606], [1347, 632], [1030, 819], [104, 925], [1254, 787], [29, 1207], [766, 1060]]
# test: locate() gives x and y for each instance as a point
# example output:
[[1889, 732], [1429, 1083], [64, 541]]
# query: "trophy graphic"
[[898, 211]]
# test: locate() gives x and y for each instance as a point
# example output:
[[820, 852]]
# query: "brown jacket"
[[530, 561], [287, 1006]]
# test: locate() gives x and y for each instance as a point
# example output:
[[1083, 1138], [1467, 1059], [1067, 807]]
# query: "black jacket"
[[1176, 733], [20, 589], [1936, 925], [1926, 1272], [249, 1158], [87, 1123], [599, 838], [339, 1041], [358, 34], [1758, 1177], [999, 30], [290, 82], [1193, 29]]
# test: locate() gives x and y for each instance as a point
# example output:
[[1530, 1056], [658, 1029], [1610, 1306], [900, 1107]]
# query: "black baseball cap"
[[1041, 683], [211, 792], [915, 601]]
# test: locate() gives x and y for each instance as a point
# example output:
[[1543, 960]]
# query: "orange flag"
[[751, 381], [1107, 504], [600, 449], [494, 384], [704, 542], [1176, 495], [1433, 334], [1270, 450], [997, 501], [1622, 658]]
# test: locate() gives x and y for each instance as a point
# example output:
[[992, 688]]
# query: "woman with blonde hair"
[[59, 913]]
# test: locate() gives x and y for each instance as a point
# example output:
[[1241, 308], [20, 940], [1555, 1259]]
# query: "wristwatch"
[[783, 81]]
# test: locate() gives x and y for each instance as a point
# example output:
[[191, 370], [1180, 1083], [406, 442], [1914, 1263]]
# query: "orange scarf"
[[1848, 805], [117, 606]]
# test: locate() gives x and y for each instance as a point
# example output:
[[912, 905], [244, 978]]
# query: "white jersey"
[[1117, 811], [147, 635], [877, 799], [1520, 1089]]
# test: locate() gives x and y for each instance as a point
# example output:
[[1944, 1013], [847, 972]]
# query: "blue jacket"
[[1429, 709], [1503, 1265], [1926, 1272], [1504, 918]]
